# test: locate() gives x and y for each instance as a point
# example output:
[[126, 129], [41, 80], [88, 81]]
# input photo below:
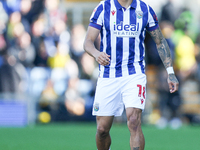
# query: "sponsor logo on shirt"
[[125, 30]]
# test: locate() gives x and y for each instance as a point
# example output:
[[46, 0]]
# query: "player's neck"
[[125, 3]]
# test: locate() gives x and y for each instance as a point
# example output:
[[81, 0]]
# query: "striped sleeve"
[[96, 19], [152, 20]]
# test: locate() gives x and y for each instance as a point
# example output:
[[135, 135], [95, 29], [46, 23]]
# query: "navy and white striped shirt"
[[122, 35]]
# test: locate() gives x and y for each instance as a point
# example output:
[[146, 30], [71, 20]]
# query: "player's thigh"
[[104, 123]]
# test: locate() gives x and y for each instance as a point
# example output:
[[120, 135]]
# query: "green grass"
[[81, 136]]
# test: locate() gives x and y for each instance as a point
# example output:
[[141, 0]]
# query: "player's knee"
[[102, 132], [133, 122]]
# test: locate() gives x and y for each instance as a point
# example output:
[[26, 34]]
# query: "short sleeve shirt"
[[122, 35]]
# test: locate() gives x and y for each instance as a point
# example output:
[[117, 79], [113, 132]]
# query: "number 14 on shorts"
[[141, 92]]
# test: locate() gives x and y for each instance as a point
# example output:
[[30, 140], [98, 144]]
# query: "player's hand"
[[103, 59], [173, 83]]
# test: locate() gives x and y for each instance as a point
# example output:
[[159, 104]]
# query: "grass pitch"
[[81, 136]]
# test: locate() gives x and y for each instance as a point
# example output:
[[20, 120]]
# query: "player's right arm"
[[101, 57]]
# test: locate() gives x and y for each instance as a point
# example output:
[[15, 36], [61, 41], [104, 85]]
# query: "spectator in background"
[[88, 75], [185, 36], [11, 6], [3, 45], [197, 56], [25, 7], [3, 20], [48, 94], [15, 28], [23, 50], [186, 61], [77, 38], [13, 76], [87, 67], [74, 101], [31, 9], [185, 47], [55, 29], [169, 104], [9, 78], [37, 32], [61, 57], [41, 56], [169, 12], [52, 15], [86, 64]]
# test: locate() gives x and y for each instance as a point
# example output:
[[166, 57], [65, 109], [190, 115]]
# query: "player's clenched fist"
[[102, 58]]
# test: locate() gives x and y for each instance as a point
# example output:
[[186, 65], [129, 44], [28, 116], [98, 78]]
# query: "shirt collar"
[[118, 6]]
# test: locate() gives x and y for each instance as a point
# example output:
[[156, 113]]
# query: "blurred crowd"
[[40, 55], [180, 27]]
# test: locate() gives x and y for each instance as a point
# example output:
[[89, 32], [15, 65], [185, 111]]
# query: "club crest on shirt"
[[96, 107], [139, 14]]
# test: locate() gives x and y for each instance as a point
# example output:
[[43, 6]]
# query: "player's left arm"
[[164, 53]]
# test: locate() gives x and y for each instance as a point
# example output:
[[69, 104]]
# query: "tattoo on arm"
[[136, 148], [172, 78], [162, 46]]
